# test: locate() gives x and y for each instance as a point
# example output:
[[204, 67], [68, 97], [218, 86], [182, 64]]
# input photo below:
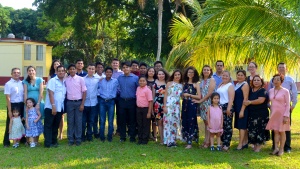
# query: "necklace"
[[275, 93]]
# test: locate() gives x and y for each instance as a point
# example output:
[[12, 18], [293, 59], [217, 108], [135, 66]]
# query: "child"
[[16, 128], [215, 121], [143, 111], [34, 126]]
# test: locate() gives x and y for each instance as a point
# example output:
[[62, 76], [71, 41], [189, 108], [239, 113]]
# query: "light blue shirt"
[[128, 85], [91, 84], [59, 89], [108, 89]]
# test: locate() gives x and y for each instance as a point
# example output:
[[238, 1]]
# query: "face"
[[134, 67], [31, 72], [219, 67], [257, 82], [216, 99], [16, 74], [276, 81], [143, 70], [29, 103], [79, 65], [225, 77], [240, 77], [252, 68], [108, 73], [115, 64], [150, 72], [16, 113], [142, 82], [126, 69], [158, 66], [99, 69], [206, 71], [177, 76], [72, 71], [281, 69], [190, 73], [161, 75], [61, 72], [55, 64], [91, 70]]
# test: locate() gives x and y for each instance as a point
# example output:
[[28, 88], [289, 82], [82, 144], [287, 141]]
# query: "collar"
[[13, 80], [215, 74]]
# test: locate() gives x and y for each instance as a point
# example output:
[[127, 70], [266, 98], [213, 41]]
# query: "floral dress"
[[35, 129], [171, 119], [204, 86], [158, 100]]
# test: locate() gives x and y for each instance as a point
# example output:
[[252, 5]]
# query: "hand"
[[285, 120], [9, 131], [241, 115], [228, 112], [148, 115], [27, 127], [9, 114], [81, 107], [292, 108], [165, 109], [247, 103], [186, 95], [54, 110], [37, 106], [197, 101], [36, 120]]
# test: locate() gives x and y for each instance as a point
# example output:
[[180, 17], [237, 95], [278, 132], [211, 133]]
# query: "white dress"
[[17, 129]]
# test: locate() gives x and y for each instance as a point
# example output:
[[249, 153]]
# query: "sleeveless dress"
[[204, 86], [17, 129], [33, 91], [215, 120], [158, 100], [171, 119], [190, 128], [240, 123], [35, 129]]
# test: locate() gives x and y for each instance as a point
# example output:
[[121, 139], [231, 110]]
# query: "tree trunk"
[[160, 13]]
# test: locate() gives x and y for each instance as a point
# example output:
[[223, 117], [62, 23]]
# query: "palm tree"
[[237, 31]]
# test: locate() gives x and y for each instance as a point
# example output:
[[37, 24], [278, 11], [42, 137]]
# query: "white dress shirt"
[[58, 87], [15, 89]]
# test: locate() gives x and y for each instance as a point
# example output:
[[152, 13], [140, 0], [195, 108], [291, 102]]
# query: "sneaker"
[[15, 146], [32, 145], [212, 148], [172, 145], [219, 148]]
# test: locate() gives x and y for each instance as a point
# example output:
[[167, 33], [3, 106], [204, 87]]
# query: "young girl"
[[16, 128], [143, 111], [158, 95], [34, 126], [215, 121]]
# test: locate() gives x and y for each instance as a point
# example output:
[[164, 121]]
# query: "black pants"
[[20, 107], [117, 99], [143, 124], [51, 125], [227, 126], [127, 110]]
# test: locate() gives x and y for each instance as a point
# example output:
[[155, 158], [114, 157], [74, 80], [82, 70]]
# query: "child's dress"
[[17, 129], [215, 119], [35, 129]]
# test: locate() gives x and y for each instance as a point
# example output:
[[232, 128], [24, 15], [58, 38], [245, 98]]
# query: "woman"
[[207, 87], [158, 95], [280, 113], [252, 67], [191, 90], [226, 91], [241, 112], [258, 113], [172, 109]]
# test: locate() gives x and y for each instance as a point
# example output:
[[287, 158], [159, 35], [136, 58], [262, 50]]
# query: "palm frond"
[[181, 28]]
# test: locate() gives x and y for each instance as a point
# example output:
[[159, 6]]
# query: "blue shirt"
[[91, 84], [81, 74], [108, 89], [128, 85]]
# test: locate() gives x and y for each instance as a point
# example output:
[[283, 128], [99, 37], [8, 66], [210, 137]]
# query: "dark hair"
[[280, 75], [253, 63], [212, 96], [134, 62], [242, 71], [195, 78], [115, 59], [281, 63], [158, 62], [261, 79], [60, 67], [99, 63], [52, 70], [78, 60], [126, 63], [71, 65], [108, 68], [91, 64], [143, 64], [32, 100], [28, 78], [220, 61], [15, 68], [140, 77], [154, 76], [211, 71], [16, 109], [167, 76], [173, 74]]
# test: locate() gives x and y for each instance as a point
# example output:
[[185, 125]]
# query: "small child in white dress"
[[16, 128]]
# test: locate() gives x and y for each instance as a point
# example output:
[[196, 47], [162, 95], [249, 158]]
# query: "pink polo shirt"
[[143, 96], [75, 87]]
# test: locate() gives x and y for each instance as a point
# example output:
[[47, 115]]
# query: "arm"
[[26, 120], [222, 121], [41, 90], [82, 102], [231, 97], [39, 116], [51, 98], [245, 90], [198, 96], [25, 92], [294, 95], [150, 105], [7, 96], [10, 124], [208, 117], [287, 104], [261, 99], [211, 89], [165, 98]]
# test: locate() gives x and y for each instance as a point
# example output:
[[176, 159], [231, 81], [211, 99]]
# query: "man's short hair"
[[108, 68], [281, 63], [220, 61], [15, 68], [126, 64], [99, 63], [158, 62], [59, 67], [143, 64], [115, 59], [78, 60], [71, 65], [134, 62], [91, 64]]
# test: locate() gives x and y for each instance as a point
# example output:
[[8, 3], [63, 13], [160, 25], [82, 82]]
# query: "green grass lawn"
[[129, 155]]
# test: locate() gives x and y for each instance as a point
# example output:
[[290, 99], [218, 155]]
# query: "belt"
[[98, 97], [75, 100], [127, 99], [106, 100]]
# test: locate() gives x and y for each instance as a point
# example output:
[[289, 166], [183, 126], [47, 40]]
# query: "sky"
[[18, 4]]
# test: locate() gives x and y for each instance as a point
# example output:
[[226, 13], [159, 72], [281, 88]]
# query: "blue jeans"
[[88, 118], [107, 106]]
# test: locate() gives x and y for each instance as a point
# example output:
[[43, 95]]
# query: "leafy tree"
[[4, 20]]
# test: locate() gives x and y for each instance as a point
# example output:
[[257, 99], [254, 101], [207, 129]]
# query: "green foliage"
[[4, 20]]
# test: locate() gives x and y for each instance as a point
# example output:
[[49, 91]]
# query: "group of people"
[[146, 99]]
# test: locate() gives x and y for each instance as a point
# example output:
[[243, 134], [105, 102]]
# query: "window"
[[39, 71], [27, 52], [39, 52], [25, 72]]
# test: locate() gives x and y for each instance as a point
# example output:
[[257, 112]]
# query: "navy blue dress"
[[240, 123]]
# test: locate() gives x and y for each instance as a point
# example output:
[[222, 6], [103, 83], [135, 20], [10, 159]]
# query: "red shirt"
[[143, 96]]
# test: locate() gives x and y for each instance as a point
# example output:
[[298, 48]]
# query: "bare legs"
[[161, 131], [242, 138], [279, 139], [207, 135]]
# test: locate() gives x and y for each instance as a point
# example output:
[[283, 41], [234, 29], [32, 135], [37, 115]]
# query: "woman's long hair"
[[28, 78]]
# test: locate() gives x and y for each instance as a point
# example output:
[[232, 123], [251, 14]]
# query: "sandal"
[[205, 145]]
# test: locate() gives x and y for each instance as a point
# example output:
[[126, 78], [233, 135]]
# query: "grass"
[[129, 155]]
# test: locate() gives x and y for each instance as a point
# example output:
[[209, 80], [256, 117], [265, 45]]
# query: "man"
[[135, 67], [76, 94], [289, 84], [54, 107], [219, 70], [128, 84], [90, 104], [14, 93], [158, 65], [99, 75], [143, 69], [79, 68], [108, 91]]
